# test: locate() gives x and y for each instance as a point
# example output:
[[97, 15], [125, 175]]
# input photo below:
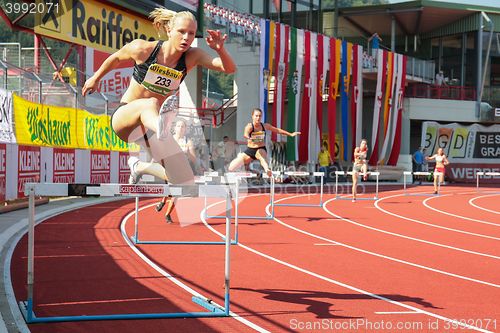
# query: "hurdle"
[[305, 173], [204, 180], [237, 177], [343, 173], [420, 173], [485, 173], [123, 190]]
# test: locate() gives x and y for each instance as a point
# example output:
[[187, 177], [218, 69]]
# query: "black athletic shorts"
[[252, 151]]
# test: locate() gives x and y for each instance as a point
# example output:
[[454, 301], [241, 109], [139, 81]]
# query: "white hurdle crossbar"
[[236, 178], [136, 239], [485, 173], [124, 190], [342, 173], [420, 173], [304, 174]]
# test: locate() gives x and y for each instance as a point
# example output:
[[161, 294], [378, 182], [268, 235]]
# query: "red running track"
[[402, 264]]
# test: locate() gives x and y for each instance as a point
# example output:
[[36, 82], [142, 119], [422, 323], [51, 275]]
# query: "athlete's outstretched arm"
[[223, 63], [271, 128], [129, 51]]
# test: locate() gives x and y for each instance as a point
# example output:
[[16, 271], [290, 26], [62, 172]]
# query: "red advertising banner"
[[100, 162], [466, 172], [123, 171], [3, 170], [64, 165], [116, 81], [28, 170]]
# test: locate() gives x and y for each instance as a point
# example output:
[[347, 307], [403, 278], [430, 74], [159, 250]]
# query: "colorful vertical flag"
[[314, 136], [396, 145], [295, 87], [306, 97], [354, 89], [381, 76], [270, 65], [390, 121], [277, 82], [264, 63], [387, 104], [320, 81], [344, 93], [333, 84], [284, 75], [359, 96]]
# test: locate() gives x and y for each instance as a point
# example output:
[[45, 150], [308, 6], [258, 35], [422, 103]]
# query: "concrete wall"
[[441, 110], [246, 84]]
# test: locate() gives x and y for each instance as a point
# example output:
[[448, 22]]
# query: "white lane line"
[[471, 201], [397, 312], [381, 255], [404, 236], [15, 233], [426, 223], [172, 278], [455, 215], [324, 278]]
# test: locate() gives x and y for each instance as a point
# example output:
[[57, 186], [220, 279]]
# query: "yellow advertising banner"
[[96, 133], [44, 125], [92, 23], [53, 126]]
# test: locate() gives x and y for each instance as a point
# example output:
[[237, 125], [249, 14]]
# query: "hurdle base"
[[208, 304], [422, 194], [299, 205], [159, 242], [350, 198], [215, 311], [267, 217]]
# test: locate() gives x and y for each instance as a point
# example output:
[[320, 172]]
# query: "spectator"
[[418, 161], [218, 156], [324, 159], [375, 40], [439, 78], [425, 164]]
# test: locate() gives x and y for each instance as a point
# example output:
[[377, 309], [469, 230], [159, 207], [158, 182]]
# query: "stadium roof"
[[420, 17]]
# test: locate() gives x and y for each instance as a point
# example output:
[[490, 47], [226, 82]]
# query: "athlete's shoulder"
[[141, 47], [141, 44]]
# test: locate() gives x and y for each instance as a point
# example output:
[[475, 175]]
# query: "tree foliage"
[[330, 4]]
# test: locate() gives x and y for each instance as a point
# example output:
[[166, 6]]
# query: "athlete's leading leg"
[[261, 155], [239, 161], [354, 184], [435, 183]]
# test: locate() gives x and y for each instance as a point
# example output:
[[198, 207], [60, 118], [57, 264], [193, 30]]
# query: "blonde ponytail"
[[162, 16]]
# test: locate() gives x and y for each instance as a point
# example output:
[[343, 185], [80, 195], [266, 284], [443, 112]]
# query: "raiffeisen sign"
[[90, 23]]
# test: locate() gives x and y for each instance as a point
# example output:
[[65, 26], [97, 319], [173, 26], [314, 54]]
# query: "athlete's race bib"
[[258, 137], [161, 79]]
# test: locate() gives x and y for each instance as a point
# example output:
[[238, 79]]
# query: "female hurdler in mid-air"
[[255, 133], [148, 106]]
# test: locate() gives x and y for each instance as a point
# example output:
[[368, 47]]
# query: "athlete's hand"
[[90, 86], [295, 134], [215, 40]]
